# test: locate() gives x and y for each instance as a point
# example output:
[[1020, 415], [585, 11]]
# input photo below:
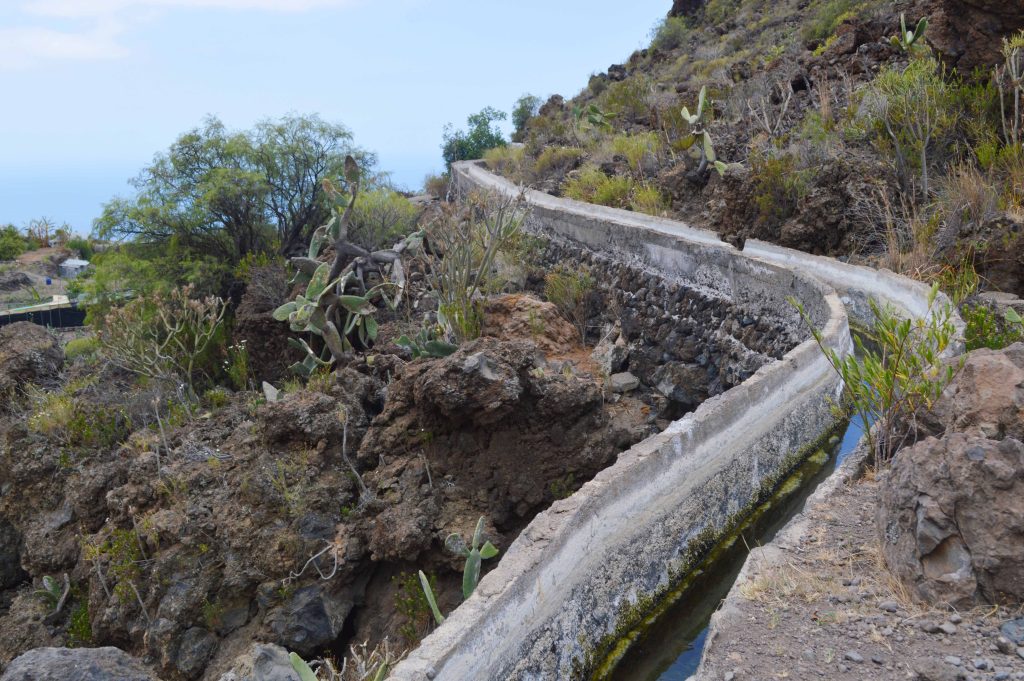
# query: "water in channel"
[[670, 650]]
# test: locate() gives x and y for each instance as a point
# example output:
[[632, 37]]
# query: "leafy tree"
[[226, 194], [462, 145], [526, 107], [11, 243]]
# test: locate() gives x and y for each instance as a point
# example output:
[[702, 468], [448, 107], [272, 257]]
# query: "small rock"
[[981, 664], [953, 660], [623, 382], [853, 656], [889, 606], [948, 628], [929, 627], [878, 659], [955, 618], [1004, 645], [808, 654], [1014, 630], [729, 676], [1020, 653], [1001, 676]]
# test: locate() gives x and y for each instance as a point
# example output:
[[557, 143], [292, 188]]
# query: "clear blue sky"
[[90, 90]]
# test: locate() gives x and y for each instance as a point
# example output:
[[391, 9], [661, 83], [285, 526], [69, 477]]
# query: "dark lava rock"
[[951, 515], [28, 354]]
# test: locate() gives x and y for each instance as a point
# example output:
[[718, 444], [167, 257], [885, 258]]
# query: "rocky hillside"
[[832, 139]]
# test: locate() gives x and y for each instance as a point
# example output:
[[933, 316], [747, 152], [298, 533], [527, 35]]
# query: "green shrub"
[[237, 366], [216, 397], [380, 218], [525, 108], [509, 161], [82, 347], [635, 147], [669, 34], [556, 158], [648, 199], [12, 244], [470, 241], [916, 111], [985, 329], [567, 288], [779, 184], [75, 421], [827, 17], [165, 337], [719, 11], [627, 99], [593, 186], [482, 134], [896, 373], [83, 246]]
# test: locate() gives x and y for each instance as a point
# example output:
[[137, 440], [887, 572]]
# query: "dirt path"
[[818, 603]]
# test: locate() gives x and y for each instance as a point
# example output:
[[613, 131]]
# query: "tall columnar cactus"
[[327, 309], [906, 39], [700, 136]]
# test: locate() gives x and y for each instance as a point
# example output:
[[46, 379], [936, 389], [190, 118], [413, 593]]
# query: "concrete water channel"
[[670, 647], [592, 574]]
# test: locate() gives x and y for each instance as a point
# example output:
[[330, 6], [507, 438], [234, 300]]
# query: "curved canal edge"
[[669, 643]]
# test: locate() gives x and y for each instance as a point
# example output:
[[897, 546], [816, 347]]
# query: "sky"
[[91, 90]]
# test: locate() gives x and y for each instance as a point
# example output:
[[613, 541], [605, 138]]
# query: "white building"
[[72, 267]]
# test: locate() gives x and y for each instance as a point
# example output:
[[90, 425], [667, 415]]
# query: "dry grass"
[[779, 585]]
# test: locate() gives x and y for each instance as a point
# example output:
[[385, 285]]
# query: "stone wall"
[[584, 569]]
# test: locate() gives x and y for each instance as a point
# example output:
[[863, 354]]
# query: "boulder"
[[77, 664], [968, 33], [519, 317], [310, 619], [262, 662], [951, 516], [623, 382], [986, 397], [28, 354], [13, 281]]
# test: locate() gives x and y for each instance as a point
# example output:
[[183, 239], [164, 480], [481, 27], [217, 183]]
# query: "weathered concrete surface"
[[574, 573], [571, 577]]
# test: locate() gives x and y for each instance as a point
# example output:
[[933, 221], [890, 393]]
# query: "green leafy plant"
[[915, 114], [700, 137], [907, 37], [426, 343], [589, 117], [51, 592], [381, 218], [592, 185], [428, 593], [12, 243], [328, 309], [482, 134], [897, 371], [475, 554], [465, 245], [568, 289], [984, 329], [526, 107], [165, 337]]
